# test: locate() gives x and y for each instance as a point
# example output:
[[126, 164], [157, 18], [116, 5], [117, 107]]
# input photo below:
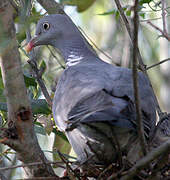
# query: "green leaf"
[[128, 12], [39, 106], [48, 124], [38, 124], [124, 8], [117, 15], [141, 2], [61, 145], [66, 155], [142, 15], [20, 36], [39, 129], [61, 134], [29, 81], [82, 5], [108, 13], [9, 159]]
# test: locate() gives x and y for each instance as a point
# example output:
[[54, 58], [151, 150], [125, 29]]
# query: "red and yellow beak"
[[31, 44]]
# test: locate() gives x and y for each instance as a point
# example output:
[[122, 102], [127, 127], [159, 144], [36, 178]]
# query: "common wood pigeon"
[[94, 100]]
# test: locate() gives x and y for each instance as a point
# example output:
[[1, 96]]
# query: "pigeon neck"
[[75, 51]]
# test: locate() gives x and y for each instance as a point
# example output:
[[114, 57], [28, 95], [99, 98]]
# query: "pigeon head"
[[59, 31], [53, 30]]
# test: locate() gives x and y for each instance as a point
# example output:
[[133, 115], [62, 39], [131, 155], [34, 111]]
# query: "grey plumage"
[[94, 101]]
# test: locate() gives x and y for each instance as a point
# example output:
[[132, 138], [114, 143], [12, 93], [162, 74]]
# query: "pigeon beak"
[[31, 44]]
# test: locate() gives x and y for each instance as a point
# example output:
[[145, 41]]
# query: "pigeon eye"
[[46, 26]]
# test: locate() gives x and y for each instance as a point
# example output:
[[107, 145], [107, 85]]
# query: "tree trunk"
[[20, 134]]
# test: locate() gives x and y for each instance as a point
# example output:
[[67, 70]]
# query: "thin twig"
[[159, 165], [135, 81], [63, 67], [165, 35], [152, 19], [100, 50], [70, 171], [34, 67], [163, 16], [42, 178], [51, 6], [105, 170], [32, 164], [165, 60], [142, 65], [142, 163], [126, 22], [38, 77]]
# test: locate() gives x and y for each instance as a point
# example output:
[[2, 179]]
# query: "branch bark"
[[154, 154], [135, 80], [164, 34], [20, 134], [51, 6], [164, 16], [160, 62]]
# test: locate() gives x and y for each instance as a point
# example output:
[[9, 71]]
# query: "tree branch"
[[33, 64], [165, 60], [163, 16], [128, 28], [51, 6], [31, 164], [38, 77], [20, 135], [135, 81], [160, 30], [142, 163], [141, 64]]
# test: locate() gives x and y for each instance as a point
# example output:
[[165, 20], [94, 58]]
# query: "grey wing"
[[104, 107], [124, 86]]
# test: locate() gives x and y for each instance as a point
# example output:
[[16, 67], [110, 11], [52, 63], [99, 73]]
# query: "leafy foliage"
[[81, 5], [116, 44]]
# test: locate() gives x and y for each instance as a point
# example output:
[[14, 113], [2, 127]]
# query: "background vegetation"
[[101, 23]]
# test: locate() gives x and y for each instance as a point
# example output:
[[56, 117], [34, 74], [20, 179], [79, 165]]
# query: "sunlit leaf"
[[20, 36], [142, 15], [108, 13], [82, 5], [141, 2], [29, 81], [48, 125], [61, 134], [117, 15], [65, 155], [128, 12], [61, 145]]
